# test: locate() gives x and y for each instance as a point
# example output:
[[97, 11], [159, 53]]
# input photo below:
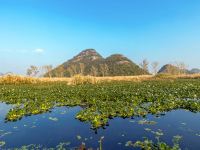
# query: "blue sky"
[[43, 32]]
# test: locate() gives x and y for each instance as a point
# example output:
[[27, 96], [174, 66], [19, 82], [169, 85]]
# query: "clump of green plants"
[[159, 145], [2, 143], [60, 146], [147, 144], [103, 101]]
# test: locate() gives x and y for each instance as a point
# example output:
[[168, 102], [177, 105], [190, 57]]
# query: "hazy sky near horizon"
[[40, 32]]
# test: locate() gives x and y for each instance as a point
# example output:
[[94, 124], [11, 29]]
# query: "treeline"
[[34, 71], [175, 68]]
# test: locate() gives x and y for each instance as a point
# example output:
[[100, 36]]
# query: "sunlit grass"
[[79, 79]]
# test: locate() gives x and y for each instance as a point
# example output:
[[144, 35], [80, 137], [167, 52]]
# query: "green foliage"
[[103, 101], [159, 145]]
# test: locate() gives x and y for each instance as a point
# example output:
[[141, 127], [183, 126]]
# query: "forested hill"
[[90, 62]]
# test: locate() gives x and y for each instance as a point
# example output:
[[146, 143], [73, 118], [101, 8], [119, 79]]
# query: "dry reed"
[[78, 79]]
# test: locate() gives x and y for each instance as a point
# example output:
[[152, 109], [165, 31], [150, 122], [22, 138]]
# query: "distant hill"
[[168, 68], [172, 69], [194, 70], [7, 73], [90, 62]]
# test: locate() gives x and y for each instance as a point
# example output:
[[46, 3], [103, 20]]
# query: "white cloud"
[[39, 50]]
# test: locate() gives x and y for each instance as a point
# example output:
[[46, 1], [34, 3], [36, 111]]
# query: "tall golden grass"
[[180, 76], [78, 79], [17, 79]]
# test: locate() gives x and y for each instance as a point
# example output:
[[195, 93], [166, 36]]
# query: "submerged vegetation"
[[103, 101]]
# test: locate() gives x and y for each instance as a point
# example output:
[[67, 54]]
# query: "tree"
[[74, 69], [145, 65], [172, 69], [29, 72], [182, 67], [94, 71], [155, 67], [104, 69], [59, 72], [48, 70], [32, 71], [70, 70], [82, 68]]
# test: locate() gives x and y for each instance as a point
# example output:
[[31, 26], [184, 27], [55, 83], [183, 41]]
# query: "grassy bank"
[[78, 79]]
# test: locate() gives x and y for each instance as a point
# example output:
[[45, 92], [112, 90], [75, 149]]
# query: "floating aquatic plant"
[[104, 101], [146, 122], [78, 137], [2, 143], [159, 145], [53, 118]]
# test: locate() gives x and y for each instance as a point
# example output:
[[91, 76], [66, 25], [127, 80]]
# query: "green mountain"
[[120, 65], [90, 62], [172, 69]]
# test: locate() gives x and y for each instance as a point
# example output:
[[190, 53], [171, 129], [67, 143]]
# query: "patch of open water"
[[60, 125]]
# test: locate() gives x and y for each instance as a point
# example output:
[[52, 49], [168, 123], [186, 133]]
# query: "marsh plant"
[[103, 101], [157, 144]]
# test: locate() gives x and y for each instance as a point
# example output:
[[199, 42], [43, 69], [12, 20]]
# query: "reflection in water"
[[60, 126]]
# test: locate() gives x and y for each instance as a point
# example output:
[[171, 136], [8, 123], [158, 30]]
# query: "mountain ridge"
[[90, 62]]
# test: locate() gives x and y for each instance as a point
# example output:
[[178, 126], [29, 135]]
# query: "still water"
[[60, 125]]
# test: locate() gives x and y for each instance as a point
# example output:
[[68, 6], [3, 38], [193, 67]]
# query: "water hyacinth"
[[103, 101]]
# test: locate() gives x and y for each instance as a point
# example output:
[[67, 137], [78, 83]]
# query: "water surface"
[[60, 125]]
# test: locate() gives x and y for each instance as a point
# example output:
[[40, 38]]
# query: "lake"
[[60, 126]]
